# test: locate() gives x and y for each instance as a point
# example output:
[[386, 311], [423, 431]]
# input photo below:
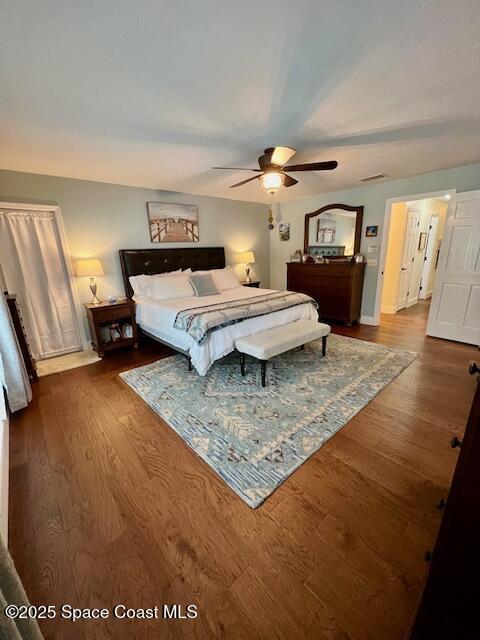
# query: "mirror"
[[334, 231]]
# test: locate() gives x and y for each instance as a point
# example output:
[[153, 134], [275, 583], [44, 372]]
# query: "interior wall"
[[393, 262], [101, 218], [373, 197]]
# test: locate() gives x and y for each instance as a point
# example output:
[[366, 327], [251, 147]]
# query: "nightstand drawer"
[[115, 313]]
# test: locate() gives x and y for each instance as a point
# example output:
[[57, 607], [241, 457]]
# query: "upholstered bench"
[[273, 342]]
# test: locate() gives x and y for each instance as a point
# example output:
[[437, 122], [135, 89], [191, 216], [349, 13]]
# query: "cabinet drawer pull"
[[455, 442], [473, 368]]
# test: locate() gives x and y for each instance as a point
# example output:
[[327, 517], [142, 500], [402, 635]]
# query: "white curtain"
[[33, 268]]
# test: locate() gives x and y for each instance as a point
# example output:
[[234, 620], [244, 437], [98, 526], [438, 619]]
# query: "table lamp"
[[90, 267], [247, 258]]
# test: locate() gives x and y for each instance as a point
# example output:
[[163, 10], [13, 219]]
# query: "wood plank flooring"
[[108, 506]]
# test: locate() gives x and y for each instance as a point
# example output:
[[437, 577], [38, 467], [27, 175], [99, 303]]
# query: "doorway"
[[414, 238], [35, 268]]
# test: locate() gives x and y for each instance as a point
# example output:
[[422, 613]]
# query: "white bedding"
[[157, 317]]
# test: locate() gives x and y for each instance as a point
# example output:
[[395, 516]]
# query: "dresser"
[[449, 604], [337, 287]]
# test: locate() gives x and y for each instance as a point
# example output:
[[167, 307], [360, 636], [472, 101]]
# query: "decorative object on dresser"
[[246, 258], [252, 283], [448, 606], [90, 268], [173, 222], [17, 322], [112, 325]]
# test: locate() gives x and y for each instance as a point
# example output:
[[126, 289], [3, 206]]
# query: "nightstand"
[[254, 283], [112, 325]]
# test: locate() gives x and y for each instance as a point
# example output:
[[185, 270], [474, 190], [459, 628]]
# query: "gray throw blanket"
[[201, 321]]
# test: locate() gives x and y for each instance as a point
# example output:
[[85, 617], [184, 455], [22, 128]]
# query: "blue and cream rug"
[[255, 437]]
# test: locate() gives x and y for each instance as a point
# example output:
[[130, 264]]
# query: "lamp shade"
[[90, 267], [246, 257]]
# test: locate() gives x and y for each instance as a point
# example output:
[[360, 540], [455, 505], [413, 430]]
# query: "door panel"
[[455, 309], [472, 316], [459, 248], [408, 254]]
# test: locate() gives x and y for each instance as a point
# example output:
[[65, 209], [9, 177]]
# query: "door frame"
[[384, 245], [56, 211]]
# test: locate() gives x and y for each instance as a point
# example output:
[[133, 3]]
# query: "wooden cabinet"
[[337, 287], [253, 283], [449, 604], [17, 321], [109, 320]]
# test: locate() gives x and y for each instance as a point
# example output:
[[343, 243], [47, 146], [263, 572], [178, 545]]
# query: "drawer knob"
[[455, 442], [473, 368]]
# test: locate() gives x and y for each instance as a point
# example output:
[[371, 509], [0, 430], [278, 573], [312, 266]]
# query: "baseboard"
[[387, 309], [370, 320], [411, 302], [426, 296]]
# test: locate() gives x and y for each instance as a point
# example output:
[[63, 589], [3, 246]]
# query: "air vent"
[[378, 176]]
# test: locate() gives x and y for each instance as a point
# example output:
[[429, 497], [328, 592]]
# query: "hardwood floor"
[[108, 506]]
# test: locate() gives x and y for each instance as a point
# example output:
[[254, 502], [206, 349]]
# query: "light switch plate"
[[372, 262], [373, 248]]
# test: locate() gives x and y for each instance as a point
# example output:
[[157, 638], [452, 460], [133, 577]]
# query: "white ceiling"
[[153, 93]]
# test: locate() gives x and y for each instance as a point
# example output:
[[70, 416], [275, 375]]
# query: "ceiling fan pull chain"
[[270, 214]]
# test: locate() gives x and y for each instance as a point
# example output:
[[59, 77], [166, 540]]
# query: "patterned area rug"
[[255, 437]]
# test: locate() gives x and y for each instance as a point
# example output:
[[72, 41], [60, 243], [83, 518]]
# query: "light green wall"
[[373, 197], [101, 218]]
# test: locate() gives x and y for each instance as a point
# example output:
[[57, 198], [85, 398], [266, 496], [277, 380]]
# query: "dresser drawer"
[[110, 315]]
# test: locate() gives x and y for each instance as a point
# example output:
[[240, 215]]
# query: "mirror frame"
[[328, 207]]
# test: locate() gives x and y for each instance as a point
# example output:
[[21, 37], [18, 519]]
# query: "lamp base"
[[93, 289], [247, 277]]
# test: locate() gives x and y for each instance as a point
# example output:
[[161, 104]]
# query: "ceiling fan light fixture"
[[272, 180]]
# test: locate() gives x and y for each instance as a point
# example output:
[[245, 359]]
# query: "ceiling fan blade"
[[289, 181], [281, 155], [236, 168], [244, 182], [313, 166]]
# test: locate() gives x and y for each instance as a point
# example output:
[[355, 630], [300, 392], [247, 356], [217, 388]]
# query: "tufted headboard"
[[135, 262]]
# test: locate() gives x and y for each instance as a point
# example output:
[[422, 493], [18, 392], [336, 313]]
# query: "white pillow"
[[141, 283], [225, 279], [177, 286]]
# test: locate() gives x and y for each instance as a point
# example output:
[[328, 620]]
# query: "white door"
[[428, 273], [408, 256], [455, 308]]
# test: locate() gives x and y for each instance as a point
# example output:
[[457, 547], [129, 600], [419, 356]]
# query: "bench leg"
[[302, 348], [324, 345], [189, 363], [263, 364], [242, 363]]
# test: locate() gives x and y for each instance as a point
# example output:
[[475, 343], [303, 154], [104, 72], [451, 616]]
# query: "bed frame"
[[135, 262]]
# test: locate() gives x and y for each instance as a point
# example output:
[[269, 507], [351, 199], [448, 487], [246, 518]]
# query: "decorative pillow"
[[203, 284], [225, 279], [177, 286], [140, 284]]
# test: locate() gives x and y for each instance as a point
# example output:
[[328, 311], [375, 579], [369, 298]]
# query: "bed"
[[156, 318]]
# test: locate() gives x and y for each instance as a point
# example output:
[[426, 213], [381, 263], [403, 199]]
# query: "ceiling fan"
[[273, 165]]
